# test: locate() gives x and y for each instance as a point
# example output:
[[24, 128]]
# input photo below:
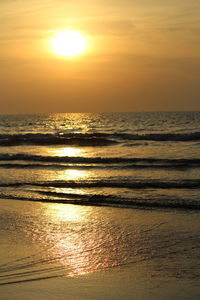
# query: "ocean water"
[[82, 193], [126, 159]]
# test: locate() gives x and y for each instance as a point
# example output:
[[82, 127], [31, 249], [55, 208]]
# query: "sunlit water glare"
[[86, 193]]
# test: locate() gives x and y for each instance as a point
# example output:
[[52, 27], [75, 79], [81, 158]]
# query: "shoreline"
[[154, 254]]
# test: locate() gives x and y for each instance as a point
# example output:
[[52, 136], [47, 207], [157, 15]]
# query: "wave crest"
[[91, 139]]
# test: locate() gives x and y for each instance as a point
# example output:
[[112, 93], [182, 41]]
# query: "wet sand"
[[97, 252]]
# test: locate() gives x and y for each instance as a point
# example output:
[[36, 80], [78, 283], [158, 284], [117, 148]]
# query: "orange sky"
[[143, 55]]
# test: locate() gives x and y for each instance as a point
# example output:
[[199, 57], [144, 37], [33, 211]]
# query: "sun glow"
[[69, 43]]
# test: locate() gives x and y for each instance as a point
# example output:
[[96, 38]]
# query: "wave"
[[94, 162], [91, 139], [108, 200], [177, 137], [54, 139], [111, 183], [94, 167]]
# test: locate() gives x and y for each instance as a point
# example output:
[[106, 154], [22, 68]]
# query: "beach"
[[98, 252], [100, 206]]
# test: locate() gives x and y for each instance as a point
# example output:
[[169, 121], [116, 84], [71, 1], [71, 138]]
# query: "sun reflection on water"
[[72, 175], [72, 248], [60, 213], [68, 151]]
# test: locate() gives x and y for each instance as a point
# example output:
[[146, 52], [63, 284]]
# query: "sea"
[[84, 192]]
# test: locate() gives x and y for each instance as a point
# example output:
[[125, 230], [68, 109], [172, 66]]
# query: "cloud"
[[108, 27]]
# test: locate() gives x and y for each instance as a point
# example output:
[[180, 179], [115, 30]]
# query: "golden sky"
[[143, 55]]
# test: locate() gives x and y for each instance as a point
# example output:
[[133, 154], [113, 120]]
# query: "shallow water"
[[78, 240]]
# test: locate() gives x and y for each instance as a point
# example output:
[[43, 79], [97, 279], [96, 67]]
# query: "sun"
[[69, 43]]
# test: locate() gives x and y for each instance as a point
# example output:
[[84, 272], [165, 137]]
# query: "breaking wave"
[[91, 139], [109, 183], [62, 162], [107, 200]]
